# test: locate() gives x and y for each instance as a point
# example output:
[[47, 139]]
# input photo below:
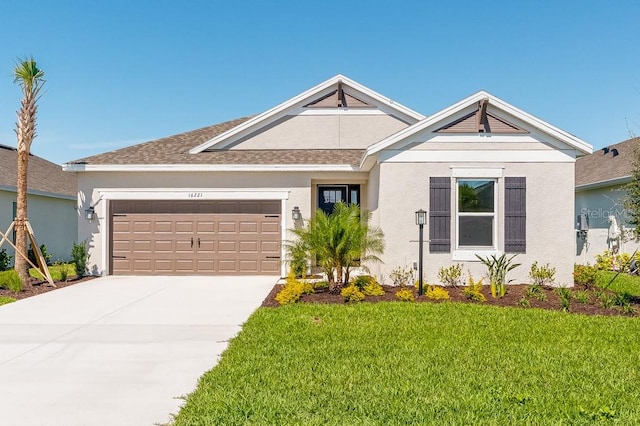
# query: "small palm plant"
[[498, 268], [339, 241]]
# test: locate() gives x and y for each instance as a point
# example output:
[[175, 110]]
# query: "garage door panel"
[[208, 237]]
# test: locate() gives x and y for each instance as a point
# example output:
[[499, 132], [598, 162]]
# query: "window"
[[476, 213], [329, 195]]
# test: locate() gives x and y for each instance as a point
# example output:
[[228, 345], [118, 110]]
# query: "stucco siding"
[[323, 132], [598, 204], [404, 188], [297, 185], [54, 222]]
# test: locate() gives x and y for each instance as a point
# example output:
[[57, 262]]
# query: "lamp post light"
[[421, 219]]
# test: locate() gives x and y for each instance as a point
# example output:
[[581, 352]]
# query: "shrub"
[[63, 274], [524, 302], [405, 295], [352, 294], [437, 293], [451, 276], [401, 276], [604, 261], [608, 261], [298, 263], [585, 275], [5, 260], [606, 300], [541, 275], [498, 267], [565, 298], [10, 280], [31, 254], [292, 290], [368, 285], [80, 256], [535, 291], [582, 296], [473, 291]]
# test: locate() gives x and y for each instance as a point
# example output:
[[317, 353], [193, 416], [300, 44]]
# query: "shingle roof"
[[603, 167], [175, 150], [43, 175]]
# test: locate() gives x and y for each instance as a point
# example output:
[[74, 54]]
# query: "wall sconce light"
[[90, 213], [296, 215]]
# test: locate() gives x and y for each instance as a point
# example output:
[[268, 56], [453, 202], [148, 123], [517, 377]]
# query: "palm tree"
[[340, 241], [31, 79]]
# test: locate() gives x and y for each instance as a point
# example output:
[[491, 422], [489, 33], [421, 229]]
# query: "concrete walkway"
[[117, 350]]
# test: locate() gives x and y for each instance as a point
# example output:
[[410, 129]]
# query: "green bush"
[[565, 298], [585, 275], [405, 295], [352, 294], [524, 302], [298, 262], [80, 256], [5, 259], [582, 296], [542, 275], [473, 291], [451, 276], [401, 276], [368, 285], [437, 293], [31, 254], [497, 268], [535, 291], [10, 280], [290, 293], [608, 261]]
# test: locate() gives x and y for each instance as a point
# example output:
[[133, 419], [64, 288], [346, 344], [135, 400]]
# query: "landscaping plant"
[[565, 298], [368, 285], [31, 254], [542, 275], [437, 293], [585, 275], [401, 276], [405, 295], [352, 294], [340, 241], [80, 256], [10, 280], [473, 291], [535, 291], [4, 300], [5, 260], [451, 276], [498, 267]]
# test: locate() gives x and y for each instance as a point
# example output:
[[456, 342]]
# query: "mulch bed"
[[35, 287], [515, 293]]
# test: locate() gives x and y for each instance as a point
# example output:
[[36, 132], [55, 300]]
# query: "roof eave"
[[210, 167], [603, 183]]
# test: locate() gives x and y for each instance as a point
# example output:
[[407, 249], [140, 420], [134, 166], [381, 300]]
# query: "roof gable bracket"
[[481, 115]]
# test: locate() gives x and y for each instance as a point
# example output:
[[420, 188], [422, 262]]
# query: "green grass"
[[4, 300], [623, 282], [405, 363], [10, 280], [55, 271]]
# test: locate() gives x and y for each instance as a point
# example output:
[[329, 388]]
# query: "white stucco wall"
[[404, 188], [323, 132], [54, 222], [598, 204], [297, 186]]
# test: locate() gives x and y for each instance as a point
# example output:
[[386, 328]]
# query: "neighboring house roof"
[[607, 166], [44, 177]]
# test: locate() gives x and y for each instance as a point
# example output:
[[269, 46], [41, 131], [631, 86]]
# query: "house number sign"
[[195, 194]]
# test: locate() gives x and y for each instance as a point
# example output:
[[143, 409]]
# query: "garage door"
[[195, 237]]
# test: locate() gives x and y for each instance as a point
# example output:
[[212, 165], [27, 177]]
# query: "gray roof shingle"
[[43, 175], [175, 150], [601, 167]]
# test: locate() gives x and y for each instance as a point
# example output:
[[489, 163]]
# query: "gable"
[[480, 121], [338, 98]]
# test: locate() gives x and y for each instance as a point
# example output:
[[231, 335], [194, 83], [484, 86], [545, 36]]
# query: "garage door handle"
[[272, 215], [119, 257], [191, 242], [198, 242], [273, 257]]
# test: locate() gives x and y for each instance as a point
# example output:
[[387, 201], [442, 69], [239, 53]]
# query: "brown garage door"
[[195, 237]]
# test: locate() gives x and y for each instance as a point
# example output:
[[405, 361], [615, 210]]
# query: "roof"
[[437, 118], [175, 150], [603, 168], [44, 177]]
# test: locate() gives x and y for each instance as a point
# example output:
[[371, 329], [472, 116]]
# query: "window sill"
[[470, 255]]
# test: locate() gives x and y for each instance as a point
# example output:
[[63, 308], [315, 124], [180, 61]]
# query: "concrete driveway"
[[117, 350]]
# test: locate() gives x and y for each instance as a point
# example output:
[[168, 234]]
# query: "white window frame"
[[467, 253]]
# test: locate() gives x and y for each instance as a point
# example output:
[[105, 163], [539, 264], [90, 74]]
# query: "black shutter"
[[439, 215], [515, 214]]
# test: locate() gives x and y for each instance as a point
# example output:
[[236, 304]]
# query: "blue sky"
[[122, 72]]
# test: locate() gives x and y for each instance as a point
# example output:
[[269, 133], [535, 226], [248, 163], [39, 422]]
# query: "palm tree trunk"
[[21, 265]]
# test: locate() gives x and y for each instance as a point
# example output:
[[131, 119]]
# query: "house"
[[600, 193], [219, 200], [51, 202]]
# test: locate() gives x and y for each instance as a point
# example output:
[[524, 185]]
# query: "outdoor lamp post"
[[421, 219]]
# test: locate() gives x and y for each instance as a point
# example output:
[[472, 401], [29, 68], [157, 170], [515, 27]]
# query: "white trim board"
[[193, 194], [209, 168], [469, 156]]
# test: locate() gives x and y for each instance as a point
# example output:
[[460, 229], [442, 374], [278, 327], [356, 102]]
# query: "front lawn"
[[441, 363], [624, 283], [4, 300]]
